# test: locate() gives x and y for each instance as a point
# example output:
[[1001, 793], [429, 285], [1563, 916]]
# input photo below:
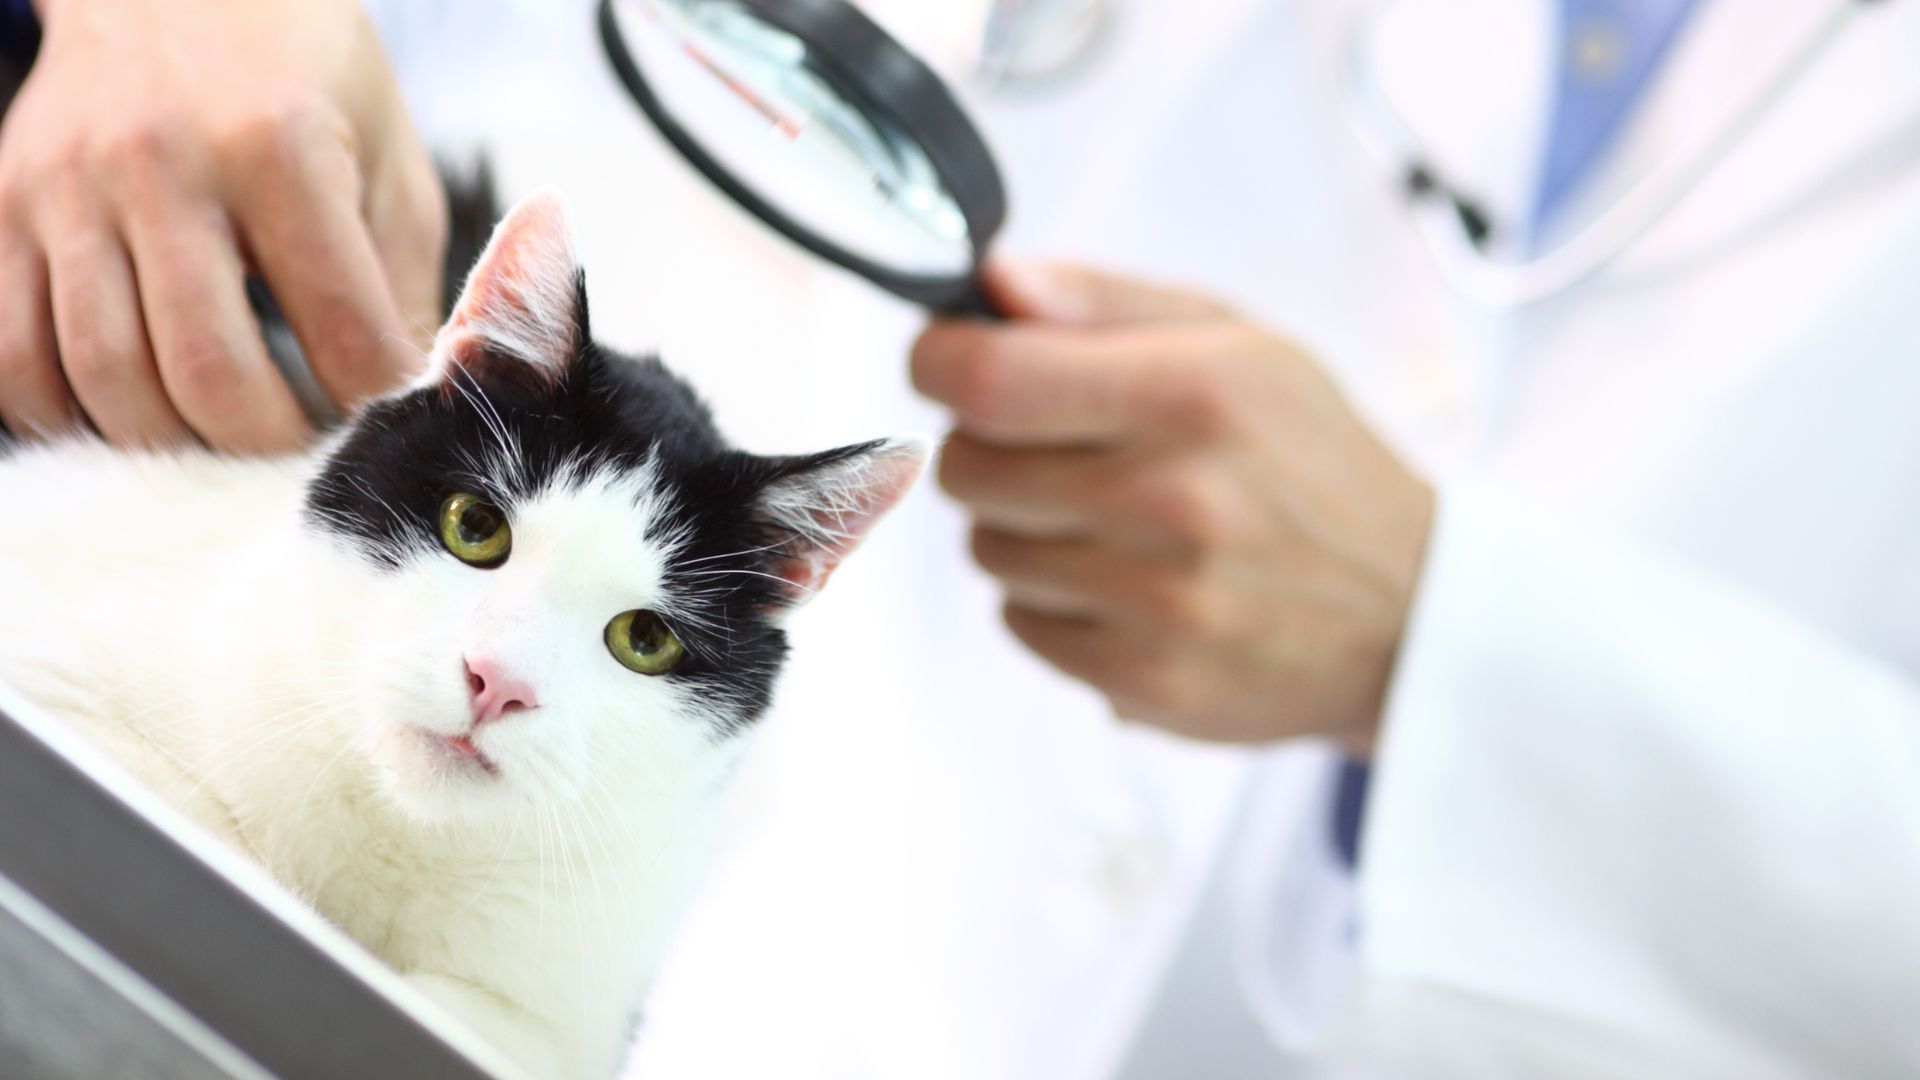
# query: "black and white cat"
[[471, 678]]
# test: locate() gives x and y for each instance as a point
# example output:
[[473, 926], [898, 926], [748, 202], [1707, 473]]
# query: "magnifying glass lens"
[[766, 110]]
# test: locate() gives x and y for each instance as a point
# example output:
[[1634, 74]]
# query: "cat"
[[471, 677]]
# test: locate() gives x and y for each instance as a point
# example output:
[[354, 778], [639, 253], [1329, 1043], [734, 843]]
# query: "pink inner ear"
[[521, 299], [842, 510]]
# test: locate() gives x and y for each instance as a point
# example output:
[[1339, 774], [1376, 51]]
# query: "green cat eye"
[[475, 530], [641, 641]]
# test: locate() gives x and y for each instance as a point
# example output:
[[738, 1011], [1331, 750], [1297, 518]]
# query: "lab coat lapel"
[[1469, 78]]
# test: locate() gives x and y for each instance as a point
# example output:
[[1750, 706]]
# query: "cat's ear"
[[827, 503], [525, 301]]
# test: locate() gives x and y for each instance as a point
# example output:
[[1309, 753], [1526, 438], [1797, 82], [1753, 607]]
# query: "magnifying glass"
[[823, 126]]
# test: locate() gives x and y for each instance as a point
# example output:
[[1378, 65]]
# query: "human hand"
[[161, 149], [1181, 507]]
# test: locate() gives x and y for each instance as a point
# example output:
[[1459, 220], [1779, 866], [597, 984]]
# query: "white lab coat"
[[1648, 802]]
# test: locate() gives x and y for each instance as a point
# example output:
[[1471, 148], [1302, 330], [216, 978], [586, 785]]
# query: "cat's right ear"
[[524, 304]]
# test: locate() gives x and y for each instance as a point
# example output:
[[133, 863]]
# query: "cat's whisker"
[[510, 462], [796, 586], [130, 682], [540, 932], [735, 554], [403, 521], [605, 852], [320, 774], [474, 895], [277, 734], [563, 814], [402, 339], [302, 718], [171, 714]]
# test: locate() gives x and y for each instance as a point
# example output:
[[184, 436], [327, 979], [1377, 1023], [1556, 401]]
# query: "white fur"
[[179, 611]]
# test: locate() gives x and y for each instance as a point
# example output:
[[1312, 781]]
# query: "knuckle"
[[65, 155], [1200, 402], [1177, 602], [91, 363], [1192, 511], [279, 134], [142, 147], [202, 370], [143, 157], [29, 177]]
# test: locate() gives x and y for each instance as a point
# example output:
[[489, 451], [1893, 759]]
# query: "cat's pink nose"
[[496, 692]]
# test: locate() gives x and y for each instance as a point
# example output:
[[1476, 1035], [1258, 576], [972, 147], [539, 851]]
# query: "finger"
[[1158, 502], [407, 217], [1035, 492], [301, 221], [33, 396], [1079, 646], [1064, 387], [205, 340], [1093, 579], [1036, 592], [1122, 666], [1077, 295], [103, 341]]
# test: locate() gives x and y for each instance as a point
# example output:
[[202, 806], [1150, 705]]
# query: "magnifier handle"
[[974, 303]]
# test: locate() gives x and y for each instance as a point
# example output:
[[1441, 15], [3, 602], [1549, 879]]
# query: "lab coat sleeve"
[[1627, 817]]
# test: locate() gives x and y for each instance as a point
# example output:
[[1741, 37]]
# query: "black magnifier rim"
[[881, 78]]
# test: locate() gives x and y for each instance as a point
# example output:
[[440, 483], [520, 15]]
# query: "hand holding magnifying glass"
[[1159, 536]]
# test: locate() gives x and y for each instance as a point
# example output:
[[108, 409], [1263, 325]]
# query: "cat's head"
[[582, 584]]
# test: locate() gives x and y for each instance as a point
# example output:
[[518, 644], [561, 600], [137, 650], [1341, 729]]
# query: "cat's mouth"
[[460, 751]]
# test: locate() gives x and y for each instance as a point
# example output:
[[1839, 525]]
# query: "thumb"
[[1078, 295]]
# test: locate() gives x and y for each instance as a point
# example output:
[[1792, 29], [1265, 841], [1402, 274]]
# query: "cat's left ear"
[[525, 302], [827, 503]]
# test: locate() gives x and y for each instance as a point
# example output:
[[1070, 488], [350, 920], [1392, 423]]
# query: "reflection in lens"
[[756, 100]]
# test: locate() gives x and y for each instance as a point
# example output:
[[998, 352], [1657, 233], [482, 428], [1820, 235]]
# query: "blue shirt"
[[1608, 52], [19, 31]]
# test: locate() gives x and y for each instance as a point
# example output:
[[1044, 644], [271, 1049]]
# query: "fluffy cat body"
[[280, 648], [167, 667]]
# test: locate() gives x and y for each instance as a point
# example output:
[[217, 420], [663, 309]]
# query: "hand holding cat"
[[1183, 510], [158, 151]]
